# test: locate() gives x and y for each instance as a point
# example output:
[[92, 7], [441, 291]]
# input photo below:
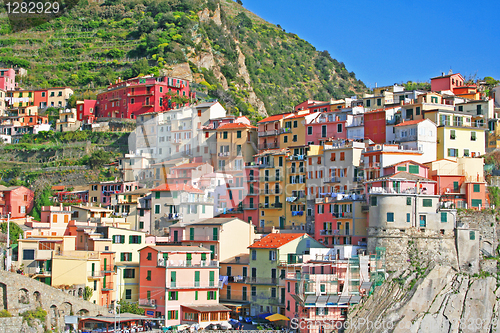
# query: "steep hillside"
[[250, 65]]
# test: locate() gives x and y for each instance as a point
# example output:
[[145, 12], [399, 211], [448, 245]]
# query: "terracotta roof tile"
[[275, 240], [187, 166], [235, 125], [276, 117], [410, 122], [176, 187]]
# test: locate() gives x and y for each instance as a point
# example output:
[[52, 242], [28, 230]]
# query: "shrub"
[[5, 313]]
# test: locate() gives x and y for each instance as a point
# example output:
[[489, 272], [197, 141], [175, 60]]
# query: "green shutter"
[[139, 239], [131, 239], [191, 233], [444, 217], [176, 314], [408, 217], [427, 202], [413, 169], [477, 188], [208, 295], [215, 295], [476, 203], [203, 256], [173, 276], [122, 239], [215, 234], [157, 195], [196, 295], [472, 235], [122, 256], [402, 168], [212, 278]]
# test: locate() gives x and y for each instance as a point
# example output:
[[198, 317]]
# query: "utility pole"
[[8, 259]]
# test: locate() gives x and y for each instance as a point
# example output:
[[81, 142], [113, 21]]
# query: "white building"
[[419, 135]]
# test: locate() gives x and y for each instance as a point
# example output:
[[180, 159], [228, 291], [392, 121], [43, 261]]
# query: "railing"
[[276, 301], [271, 205], [224, 154], [151, 303], [285, 130], [191, 285], [326, 232], [268, 133], [258, 280], [95, 274], [332, 180], [358, 179], [107, 269], [297, 157], [297, 170], [236, 279], [173, 216], [249, 206], [384, 190], [266, 165], [271, 145], [271, 179], [108, 286], [342, 215], [186, 263]]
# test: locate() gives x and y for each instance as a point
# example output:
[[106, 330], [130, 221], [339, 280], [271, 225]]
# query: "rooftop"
[[234, 125], [404, 176], [177, 248], [176, 187], [410, 122], [275, 240]]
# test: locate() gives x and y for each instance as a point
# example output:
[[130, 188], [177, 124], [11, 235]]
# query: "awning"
[[321, 301], [344, 299], [235, 304], [264, 315], [333, 300], [276, 317], [297, 299], [366, 285], [355, 299], [207, 308]]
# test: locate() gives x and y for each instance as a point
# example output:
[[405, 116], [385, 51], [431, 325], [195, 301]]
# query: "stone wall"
[[10, 324], [19, 293]]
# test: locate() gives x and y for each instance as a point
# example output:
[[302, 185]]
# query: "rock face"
[[444, 300]]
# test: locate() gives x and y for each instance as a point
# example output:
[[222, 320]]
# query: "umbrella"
[[276, 317]]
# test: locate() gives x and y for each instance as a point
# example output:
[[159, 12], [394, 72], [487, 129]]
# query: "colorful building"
[[266, 275], [133, 97], [235, 292], [180, 284], [16, 200]]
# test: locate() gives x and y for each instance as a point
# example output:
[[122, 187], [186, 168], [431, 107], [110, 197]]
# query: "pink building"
[[53, 222], [16, 200], [327, 125], [183, 282], [447, 82], [7, 79], [85, 111]]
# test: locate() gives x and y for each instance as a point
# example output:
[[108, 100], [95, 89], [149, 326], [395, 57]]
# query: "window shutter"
[[139, 239], [215, 295], [208, 295], [122, 256], [122, 237], [130, 239]]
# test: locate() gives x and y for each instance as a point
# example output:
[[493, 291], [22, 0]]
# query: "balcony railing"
[[258, 280], [187, 263], [271, 205], [270, 145], [254, 206], [108, 286], [194, 284], [95, 274], [271, 179], [268, 133], [296, 157], [342, 215], [150, 303], [276, 301], [107, 269], [389, 190], [285, 130]]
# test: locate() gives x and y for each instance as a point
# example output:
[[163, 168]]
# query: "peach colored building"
[[183, 282]]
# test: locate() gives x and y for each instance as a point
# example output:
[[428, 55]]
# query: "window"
[[211, 295], [452, 152], [126, 256], [472, 235], [342, 156], [149, 256], [148, 277], [373, 200], [118, 239], [452, 135], [254, 255], [408, 201], [444, 217], [368, 103], [132, 239], [224, 135], [408, 217], [157, 209], [413, 169], [417, 111], [476, 203], [254, 291], [238, 134], [272, 255], [128, 293], [295, 123], [339, 128], [390, 217], [309, 130], [173, 314], [477, 188], [427, 202], [295, 138], [173, 295], [466, 153], [379, 101], [157, 195], [473, 136], [285, 139], [28, 254], [129, 273]]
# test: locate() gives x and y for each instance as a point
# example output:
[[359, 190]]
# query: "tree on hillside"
[[98, 159], [15, 231], [43, 193]]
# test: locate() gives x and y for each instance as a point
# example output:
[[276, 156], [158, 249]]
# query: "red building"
[[127, 99], [16, 200], [85, 111], [328, 125], [375, 125]]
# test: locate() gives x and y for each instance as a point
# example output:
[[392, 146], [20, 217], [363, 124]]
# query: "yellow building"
[[236, 145], [457, 134], [293, 133], [236, 293], [282, 201]]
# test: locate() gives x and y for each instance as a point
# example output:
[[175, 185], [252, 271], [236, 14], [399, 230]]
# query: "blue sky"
[[389, 41]]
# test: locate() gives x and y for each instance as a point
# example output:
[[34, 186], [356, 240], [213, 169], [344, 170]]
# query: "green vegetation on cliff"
[[250, 65]]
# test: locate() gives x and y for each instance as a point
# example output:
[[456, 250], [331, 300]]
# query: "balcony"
[[331, 180], [253, 179], [193, 285], [259, 280], [107, 269], [95, 274], [245, 207], [342, 215], [187, 263], [266, 165], [271, 179], [224, 154], [277, 205], [148, 303], [108, 286], [268, 133], [271, 145], [296, 157], [173, 216], [390, 190], [276, 301], [326, 232], [285, 130], [237, 279]]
